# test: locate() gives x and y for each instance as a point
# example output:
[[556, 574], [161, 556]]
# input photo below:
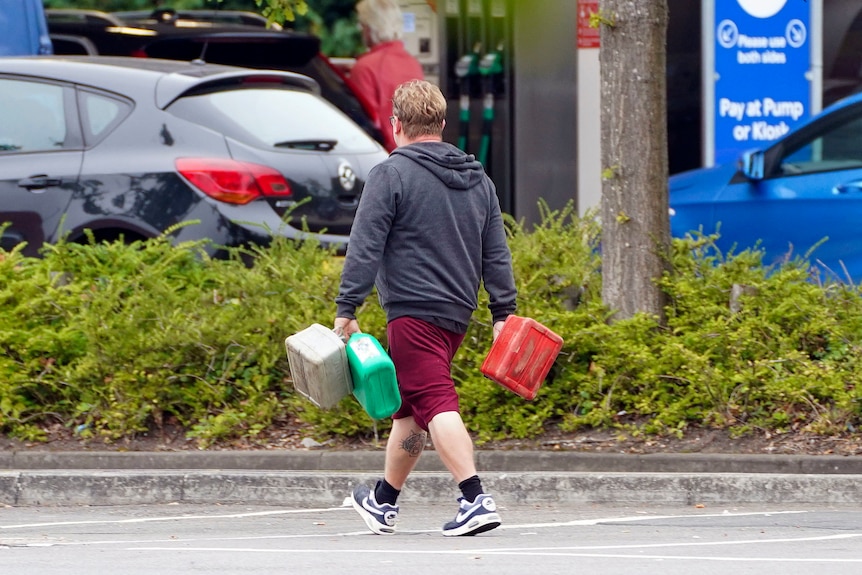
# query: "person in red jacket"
[[387, 64]]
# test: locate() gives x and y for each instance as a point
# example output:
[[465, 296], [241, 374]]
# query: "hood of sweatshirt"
[[448, 163]]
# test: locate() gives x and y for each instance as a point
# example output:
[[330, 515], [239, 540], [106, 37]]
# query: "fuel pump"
[[467, 71], [491, 70], [478, 60]]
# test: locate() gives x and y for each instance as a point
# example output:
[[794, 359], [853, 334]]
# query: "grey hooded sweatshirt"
[[427, 231]]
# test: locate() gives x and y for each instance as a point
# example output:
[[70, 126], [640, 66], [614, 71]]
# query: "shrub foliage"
[[112, 339]]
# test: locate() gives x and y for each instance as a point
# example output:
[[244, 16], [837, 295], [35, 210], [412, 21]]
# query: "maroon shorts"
[[422, 354]]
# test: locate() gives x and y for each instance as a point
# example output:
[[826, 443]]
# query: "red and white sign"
[[587, 37]]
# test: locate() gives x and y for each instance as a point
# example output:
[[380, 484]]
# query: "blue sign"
[[762, 60]]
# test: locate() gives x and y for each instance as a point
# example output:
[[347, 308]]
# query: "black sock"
[[471, 488], [385, 493]]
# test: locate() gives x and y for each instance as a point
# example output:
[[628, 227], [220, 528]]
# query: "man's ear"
[[444, 125]]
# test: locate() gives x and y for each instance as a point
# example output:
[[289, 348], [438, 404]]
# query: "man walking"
[[428, 231]]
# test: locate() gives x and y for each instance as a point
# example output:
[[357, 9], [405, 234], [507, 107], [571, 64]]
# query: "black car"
[[91, 32], [129, 147], [195, 17]]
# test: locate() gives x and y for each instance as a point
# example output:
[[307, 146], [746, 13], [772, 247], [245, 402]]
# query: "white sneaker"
[[476, 517], [380, 517]]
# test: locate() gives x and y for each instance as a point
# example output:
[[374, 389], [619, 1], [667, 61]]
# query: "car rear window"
[[267, 117]]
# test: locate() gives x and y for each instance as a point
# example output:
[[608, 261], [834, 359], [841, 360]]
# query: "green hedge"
[[112, 340]]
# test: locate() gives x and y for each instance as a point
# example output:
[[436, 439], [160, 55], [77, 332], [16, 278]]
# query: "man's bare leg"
[[454, 444], [405, 445]]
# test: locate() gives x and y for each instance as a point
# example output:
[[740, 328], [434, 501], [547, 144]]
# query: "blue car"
[[804, 190], [23, 28]]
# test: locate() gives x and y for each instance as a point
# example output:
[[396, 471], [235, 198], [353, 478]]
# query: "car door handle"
[[846, 188], [39, 182]]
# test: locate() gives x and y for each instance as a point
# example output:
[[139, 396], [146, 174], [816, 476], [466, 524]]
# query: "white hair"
[[382, 18]]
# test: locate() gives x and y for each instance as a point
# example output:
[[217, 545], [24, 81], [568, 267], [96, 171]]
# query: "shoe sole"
[[476, 525], [370, 521]]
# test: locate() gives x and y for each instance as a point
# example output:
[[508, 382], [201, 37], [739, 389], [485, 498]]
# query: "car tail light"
[[231, 181]]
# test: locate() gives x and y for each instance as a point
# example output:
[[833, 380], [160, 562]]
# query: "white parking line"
[[680, 544], [170, 518], [522, 553], [622, 551], [577, 522]]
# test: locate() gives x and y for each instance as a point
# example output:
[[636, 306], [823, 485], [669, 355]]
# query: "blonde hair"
[[421, 107], [382, 18]]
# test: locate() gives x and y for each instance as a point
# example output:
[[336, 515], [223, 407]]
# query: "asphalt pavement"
[[551, 539], [326, 477]]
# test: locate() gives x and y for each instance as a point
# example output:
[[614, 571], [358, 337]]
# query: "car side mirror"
[[751, 164]]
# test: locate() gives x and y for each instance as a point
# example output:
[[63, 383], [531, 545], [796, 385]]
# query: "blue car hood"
[[700, 185]]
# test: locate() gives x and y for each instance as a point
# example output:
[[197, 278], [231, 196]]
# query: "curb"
[[372, 460], [325, 478], [63, 488]]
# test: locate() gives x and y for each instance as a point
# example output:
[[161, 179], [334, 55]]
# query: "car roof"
[[178, 16], [76, 15], [842, 103], [171, 78], [253, 47], [251, 43], [170, 16]]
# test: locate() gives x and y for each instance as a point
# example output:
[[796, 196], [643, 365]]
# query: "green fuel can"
[[373, 374]]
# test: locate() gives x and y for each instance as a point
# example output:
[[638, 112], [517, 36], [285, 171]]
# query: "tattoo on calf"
[[414, 443]]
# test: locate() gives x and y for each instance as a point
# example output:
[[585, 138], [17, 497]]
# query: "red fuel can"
[[522, 356]]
